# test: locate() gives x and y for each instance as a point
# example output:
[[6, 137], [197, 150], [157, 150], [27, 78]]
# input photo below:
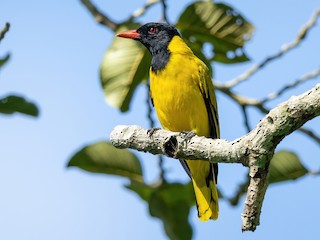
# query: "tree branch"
[[253, 150], [259, 104], [304, 78], [285, 49], [99, 16]]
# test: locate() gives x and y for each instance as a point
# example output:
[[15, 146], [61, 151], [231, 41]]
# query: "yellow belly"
[[177, 98]]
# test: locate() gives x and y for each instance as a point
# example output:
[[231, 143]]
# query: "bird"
[[182, 94]]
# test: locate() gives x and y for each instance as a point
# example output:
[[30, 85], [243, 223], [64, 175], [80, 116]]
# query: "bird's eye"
[[152, 30]]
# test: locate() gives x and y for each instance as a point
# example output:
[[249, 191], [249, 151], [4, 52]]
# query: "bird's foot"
[[188, 135], [151, 131]]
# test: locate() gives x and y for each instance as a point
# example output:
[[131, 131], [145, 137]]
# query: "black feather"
[[157, 42], [213, 131]]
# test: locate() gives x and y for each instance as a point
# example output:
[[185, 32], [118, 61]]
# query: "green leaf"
[[4, 60], [124, 66], [219, 25], [143, 190], [285, 165], [102, 157], [17, 104], [170, 202]]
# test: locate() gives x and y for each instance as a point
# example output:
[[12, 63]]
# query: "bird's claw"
[[151, 131], [188, 135]]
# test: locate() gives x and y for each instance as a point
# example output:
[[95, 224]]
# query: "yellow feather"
[[178, 93]]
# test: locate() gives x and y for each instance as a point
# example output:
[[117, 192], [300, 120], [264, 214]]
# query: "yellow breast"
[[176, 94]]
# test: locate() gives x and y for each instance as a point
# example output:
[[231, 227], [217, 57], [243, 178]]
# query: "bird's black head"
[[154, 36]]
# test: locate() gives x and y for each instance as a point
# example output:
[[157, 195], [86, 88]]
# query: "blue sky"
[[56, 48]]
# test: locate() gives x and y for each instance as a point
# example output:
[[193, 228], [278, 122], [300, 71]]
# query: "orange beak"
[[132, 34]]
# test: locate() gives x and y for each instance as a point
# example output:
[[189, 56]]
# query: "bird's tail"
[[206, 194]]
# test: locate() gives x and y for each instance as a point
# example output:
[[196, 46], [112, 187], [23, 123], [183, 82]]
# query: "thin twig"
[[314, 173], [4, 31], [245, 117], [310, 133], [100, 17], [152, 125], [302, 79], [241, 100], [285, 49], [164, 11], [149, 107], [139, 12]]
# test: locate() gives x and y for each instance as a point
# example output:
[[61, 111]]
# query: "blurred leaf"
[[171, 203], [17, 104], [102, 157], [143, 190], [285, 166], [4, 60], [124, 66], [218, 24]]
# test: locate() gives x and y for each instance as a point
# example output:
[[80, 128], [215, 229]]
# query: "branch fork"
[[254, 150]]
